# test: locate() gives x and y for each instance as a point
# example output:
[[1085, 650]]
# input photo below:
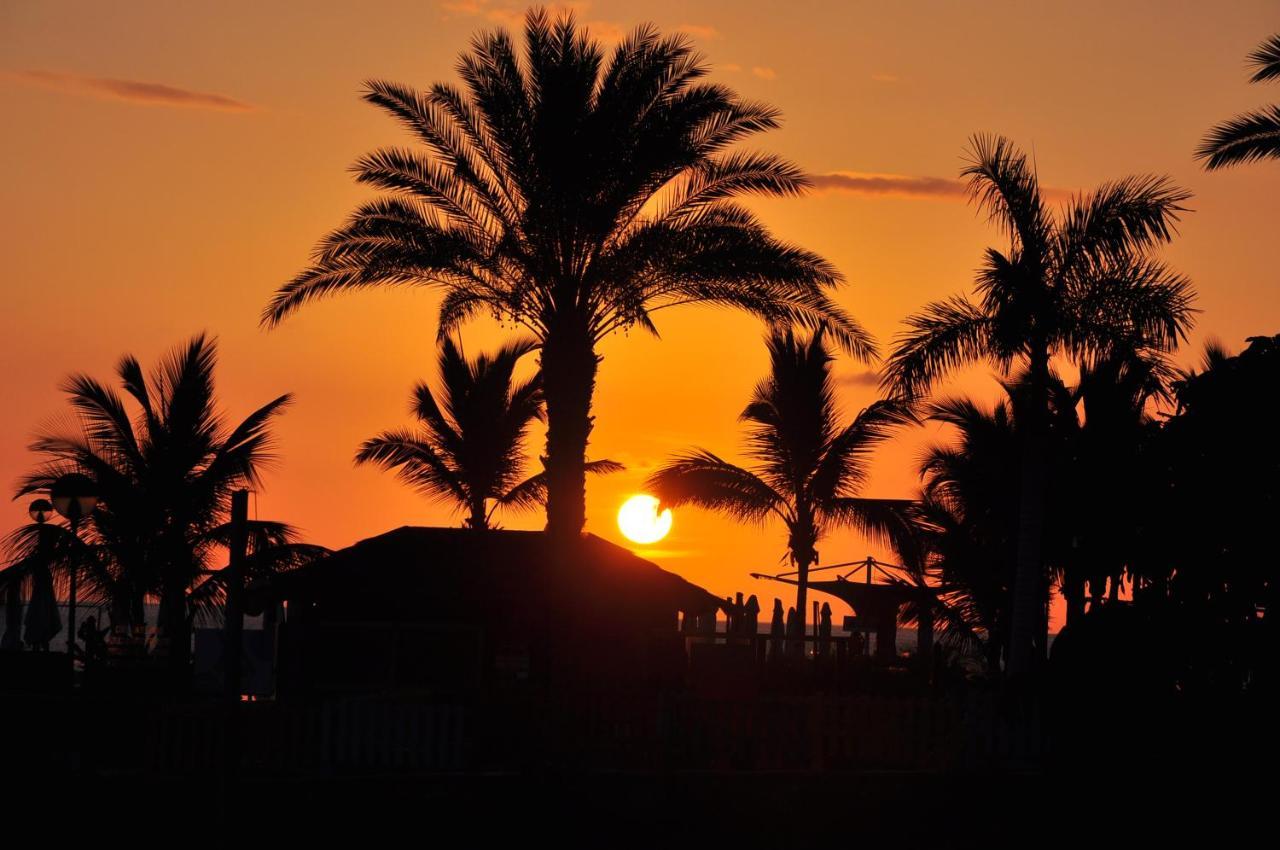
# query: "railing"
[[556, 731], [356, 735]]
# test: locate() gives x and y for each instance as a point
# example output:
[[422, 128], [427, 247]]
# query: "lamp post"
[[74, 496]]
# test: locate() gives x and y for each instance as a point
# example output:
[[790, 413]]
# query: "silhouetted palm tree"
[[1112, 470], [470, 450], [1253, 135], [575, 194], [1079, 282], [809, 468], [164, 474]]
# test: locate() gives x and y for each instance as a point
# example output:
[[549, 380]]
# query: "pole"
[[71, 590], [233, 612]]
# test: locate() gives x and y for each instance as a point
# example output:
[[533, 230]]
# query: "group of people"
[[742, 619]]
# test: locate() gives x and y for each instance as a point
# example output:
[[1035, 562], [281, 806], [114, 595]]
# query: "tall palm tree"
[[470, 450], [1077, 282], [809, 468], [164, 472], [1253, 135], [575, 194]]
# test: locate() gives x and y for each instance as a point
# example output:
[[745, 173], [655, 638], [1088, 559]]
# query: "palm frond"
[[942, 337], [878, 520], [417, 462], [1266, 58], [703, 479], [1003, 183], [531, 493], [1245, 138], [844, 465]]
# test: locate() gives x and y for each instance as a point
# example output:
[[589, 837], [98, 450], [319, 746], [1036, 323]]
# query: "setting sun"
[[640, 522]]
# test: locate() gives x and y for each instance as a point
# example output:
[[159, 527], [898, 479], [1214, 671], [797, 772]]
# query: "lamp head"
[[40, 510], [74, 496]]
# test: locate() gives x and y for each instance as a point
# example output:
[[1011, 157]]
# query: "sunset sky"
[[168, 166]]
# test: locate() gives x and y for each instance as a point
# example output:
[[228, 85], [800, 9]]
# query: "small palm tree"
[[164, 473], [809, 468], [576, 194], [1253, 135], [1078, 283], [470, 450]]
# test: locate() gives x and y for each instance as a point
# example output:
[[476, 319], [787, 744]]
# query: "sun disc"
[[640, 522]]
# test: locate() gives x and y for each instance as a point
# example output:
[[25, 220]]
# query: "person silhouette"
[[751, 617], [94, 640], [777, 629], [824, 629], [795, 633]]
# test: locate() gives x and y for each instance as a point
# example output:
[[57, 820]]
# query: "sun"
[[640, 522]]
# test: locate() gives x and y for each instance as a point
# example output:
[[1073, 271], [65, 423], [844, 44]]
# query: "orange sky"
[[166, 167]]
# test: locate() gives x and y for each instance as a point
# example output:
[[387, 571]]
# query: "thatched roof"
[[416, 574]]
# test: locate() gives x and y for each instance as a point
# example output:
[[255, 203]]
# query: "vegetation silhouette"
[[1080, 282], [1252, 135], [574, 194], [809, 468], [165, 473], [470, 450]]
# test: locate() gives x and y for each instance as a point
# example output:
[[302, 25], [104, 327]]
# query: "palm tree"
[[164, 472], [1078, 282], [575, 194], [1253, 135], [809, 469], [1115, 456], [470, 450], [968, 509]]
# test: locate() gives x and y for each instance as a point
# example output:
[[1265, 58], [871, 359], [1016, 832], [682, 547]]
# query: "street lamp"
[[74, 496], [40, 510]]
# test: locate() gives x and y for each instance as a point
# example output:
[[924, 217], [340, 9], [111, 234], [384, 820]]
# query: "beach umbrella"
[[12, 581], [43, 620]]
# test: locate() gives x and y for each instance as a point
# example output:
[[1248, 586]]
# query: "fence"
[[544, 731]]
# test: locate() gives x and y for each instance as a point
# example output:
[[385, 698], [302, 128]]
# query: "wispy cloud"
[[907, 186], [133, 91], [865, 378], [884, 77], [860, 183], [764, 72], [699, 31], [731, 67]]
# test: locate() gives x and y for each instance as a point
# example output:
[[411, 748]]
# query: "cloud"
[[764, 73], [133, 91], [907, 186], [859, 183], [884, 77], [731, 67], [865, 378], [699, 31]]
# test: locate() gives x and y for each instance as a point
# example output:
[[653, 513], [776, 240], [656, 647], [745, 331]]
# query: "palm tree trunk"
[[175, 624], [803, 538], [569, 364], [1073, 589], [479, 519], [1029, 576]]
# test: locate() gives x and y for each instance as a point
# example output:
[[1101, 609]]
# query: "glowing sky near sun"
[[168, 165]]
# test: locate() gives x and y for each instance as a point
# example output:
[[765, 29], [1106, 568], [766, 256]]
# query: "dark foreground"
[[869, 809], [1078, 774]]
